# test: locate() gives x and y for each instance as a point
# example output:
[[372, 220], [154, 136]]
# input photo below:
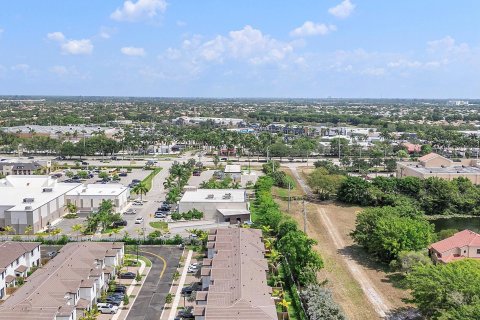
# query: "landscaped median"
[[149, 179]]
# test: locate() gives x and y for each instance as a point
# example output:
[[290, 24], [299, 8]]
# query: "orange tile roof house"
[[234, 278], [434, 165], [463, 244]]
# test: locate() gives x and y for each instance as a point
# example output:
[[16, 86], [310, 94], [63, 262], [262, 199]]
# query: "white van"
[[107, 308]]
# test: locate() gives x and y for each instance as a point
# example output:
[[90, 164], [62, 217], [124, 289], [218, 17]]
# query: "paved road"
[[151, 298]]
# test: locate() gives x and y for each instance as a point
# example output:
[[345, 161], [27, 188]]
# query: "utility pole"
[[304, 218], [288, 210]]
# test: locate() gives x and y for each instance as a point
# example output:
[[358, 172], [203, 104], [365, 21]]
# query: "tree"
[[104, 176], [9, 229], [447, 291], [386, 231], [354, 190], [320, 304], [141, 189], [126, 300], [71, 207], [407, 260], [28, 230], [77, 228], [216, 161], [303, 260], [323, 183], [169, 298]]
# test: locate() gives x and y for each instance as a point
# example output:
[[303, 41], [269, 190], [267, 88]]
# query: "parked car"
[[130, 211], [121, 223], [139, 220], [113, 301], [127, 275], [186, 313], [193, 269], [52, 254], [189, 289], [223, 159], [116, 295], [137, 202], [123, 174], [107, 308], [136, 181], [196, 173], [160, 215], [84, 163]]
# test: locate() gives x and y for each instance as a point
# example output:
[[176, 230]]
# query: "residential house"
[[234, 278], [66, 286], [463, 244], [16, 260]]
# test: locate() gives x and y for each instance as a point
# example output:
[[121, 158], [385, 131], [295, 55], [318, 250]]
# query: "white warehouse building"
[[88, 197], [34, 201], [221, 205]]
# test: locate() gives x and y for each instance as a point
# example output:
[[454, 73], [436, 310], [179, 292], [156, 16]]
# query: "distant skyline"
[[218, 48]]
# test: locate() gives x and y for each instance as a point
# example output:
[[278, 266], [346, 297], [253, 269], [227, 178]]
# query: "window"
[[478, 251]]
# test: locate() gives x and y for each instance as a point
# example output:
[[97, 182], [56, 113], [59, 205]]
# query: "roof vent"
[[47, 189], [28, 208], [210, 196], [28, 200]]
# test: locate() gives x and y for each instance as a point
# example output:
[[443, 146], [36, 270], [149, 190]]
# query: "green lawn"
[[133, 257], [111, 230], [149, 179], [163, 226]]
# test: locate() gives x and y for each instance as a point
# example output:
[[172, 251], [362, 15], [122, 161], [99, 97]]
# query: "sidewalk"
[[176, 300]]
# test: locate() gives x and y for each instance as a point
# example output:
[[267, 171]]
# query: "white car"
[[139, 220], [107, 308]]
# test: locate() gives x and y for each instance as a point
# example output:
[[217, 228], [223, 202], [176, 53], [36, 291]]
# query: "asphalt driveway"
[[151, 298]]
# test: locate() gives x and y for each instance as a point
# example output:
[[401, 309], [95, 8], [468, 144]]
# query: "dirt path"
[[377, 300]]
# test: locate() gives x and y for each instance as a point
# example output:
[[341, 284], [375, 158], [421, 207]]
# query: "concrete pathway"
[[176, 300]]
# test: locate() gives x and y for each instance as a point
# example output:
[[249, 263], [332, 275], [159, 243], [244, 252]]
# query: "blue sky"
[[220, 48]]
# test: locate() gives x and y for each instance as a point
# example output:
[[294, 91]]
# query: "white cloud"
[[142, 9], [310, 28], [447, 45], [181, 23], [402, 63], [59, 70], [133, 51], [56, 36], [342, 10], [22, 67], [77, 47], [1, 31], [375, 72]]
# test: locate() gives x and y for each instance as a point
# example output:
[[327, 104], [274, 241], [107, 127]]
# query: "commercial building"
[[463, 244], [32, 201], [434, 165], [16, 260], [233, 171], [24, 167], [88, 197], [66, 286], [234, 278], [73, 133], [222, 205]]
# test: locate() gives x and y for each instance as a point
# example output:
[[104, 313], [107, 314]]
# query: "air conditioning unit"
[[210, 196], [47, 189], [28, 200]]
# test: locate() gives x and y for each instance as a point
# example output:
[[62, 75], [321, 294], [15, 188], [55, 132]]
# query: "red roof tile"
[[458, 240]]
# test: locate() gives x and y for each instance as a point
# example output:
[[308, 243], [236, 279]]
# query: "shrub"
[[320, 304]]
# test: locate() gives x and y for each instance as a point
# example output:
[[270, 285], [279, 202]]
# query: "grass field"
[[161, 225], [133, 257], [148, 179], [295, 191]]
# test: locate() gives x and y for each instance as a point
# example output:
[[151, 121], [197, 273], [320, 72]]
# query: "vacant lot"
[[347, 284]]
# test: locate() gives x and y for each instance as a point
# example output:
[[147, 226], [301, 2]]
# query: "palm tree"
[[28, 230], [71, 207], [141, 189], [273, 258], [9, 229], [77, 228]]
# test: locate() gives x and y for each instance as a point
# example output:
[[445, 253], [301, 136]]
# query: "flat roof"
[[233, 168], [42, 189], [215, 195], [459, 169], [98, 190]]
